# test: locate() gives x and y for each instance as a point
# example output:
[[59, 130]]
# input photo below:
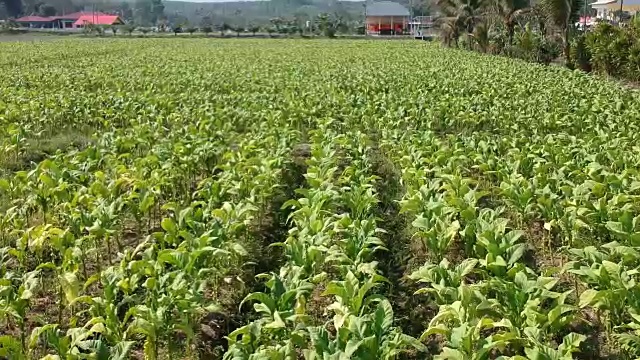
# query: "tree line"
[[324, 24], [158, 13], [544, 31], [538, 31]]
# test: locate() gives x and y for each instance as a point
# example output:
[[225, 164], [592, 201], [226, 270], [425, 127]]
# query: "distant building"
[[386, 18], [97, 20], [605, 9], [33, 21], [69, 21]]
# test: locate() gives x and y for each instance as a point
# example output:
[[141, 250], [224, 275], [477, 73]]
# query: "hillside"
[[259, 12], [242, 13]]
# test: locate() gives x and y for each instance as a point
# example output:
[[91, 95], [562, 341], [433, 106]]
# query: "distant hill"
[[260, 12], [196, 14]]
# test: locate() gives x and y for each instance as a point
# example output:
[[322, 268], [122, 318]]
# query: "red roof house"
[[34, 18], [85, 20], [33, 21], [73, 20]]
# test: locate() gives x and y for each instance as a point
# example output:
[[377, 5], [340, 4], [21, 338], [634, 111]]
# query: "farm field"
[[313, 199]]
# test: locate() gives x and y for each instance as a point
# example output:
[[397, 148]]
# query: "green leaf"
[[239, 249], [50, 357], [611, 267], [384, 315], [450, 354], [571, 343], [147, 201], [169, 225], [420, 223], [589, 297], [90, 281], [39, 331], [439, 329], [334, 288], [277, 322], [121, 350], [10, 346], [70, 286], [516, 253], [262, 298], [467, 266], [362, 293], [4, 185]]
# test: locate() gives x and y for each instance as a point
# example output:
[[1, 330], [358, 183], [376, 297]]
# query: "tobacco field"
[[313, 199]]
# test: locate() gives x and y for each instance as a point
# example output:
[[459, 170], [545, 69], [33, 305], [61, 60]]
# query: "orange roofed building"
[[69, 21]]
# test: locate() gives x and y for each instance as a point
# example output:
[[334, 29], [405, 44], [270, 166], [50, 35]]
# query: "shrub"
[[609, 48], [632, 69], [549, 50], [526, 44], [498, 42], [580, 54], [532, 46]]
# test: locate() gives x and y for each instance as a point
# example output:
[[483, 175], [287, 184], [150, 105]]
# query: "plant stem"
[[60, 304]]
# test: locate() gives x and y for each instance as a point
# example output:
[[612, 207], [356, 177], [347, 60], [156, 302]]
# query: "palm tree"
[[481, 36], [464, 14], [450, 31], [560, 13], [537, 14], [507, 11]]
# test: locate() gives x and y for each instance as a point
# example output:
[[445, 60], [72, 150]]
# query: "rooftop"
[[72, 16], [97, 20], [34, 18]]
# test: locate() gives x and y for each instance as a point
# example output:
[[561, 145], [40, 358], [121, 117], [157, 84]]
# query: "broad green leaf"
[[589, 297], [70, 286], [169, 225], [277, 322]]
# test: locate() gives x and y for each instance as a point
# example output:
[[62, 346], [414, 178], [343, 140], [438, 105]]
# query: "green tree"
[[326, 25], [481, 36], [253, 29], [463, 14], [13, 7], [126, 11], [278, 23], [507, 11], [238, 29], [149, 12], [224, 27], [129, 29], [560, 14], [46, 10]]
